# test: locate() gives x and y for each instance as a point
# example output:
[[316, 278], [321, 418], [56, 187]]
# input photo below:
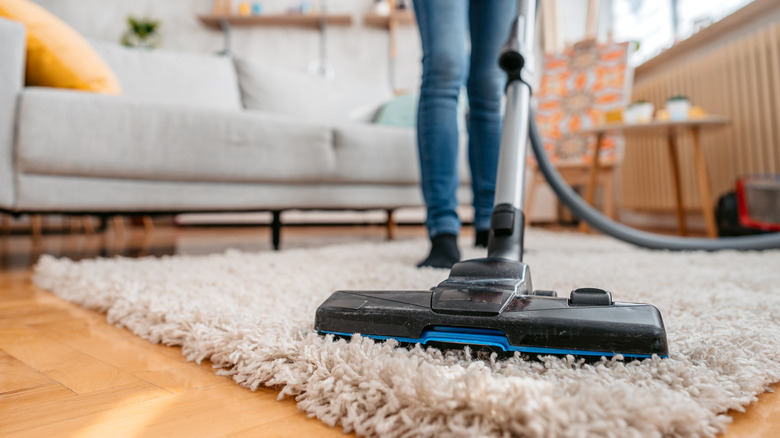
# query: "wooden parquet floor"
[[66, 372]]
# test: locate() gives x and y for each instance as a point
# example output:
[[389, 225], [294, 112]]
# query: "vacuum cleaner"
[[489, 303]]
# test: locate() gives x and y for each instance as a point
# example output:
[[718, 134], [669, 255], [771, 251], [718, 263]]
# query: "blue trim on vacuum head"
[[490, 338]]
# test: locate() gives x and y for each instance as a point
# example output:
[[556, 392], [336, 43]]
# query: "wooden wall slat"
[[732, 88], [773, 60], [766, 106], [719, 78], [740, 80], [754, 104], [742, 119]]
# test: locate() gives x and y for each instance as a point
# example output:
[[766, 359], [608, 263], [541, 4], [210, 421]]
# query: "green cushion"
[[401, 111]]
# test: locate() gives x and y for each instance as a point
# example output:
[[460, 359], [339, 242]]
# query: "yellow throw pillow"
[[57, 56]]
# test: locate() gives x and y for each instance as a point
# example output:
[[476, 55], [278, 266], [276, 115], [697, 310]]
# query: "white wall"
[[573, 16], [358, 53]]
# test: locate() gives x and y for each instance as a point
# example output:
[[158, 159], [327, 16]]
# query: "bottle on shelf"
[[244, 9], [223, 7]]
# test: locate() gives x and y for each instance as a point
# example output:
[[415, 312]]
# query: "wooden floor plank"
[[33, 395], [75, 370], [285, 428], [53, 415], [183, 414], [113, 348], [21, 384], [26, 312], [17, 375], [760, 419]]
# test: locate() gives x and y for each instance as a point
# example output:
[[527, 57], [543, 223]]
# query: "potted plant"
[[679, 107], [640, 111], [143, 33]]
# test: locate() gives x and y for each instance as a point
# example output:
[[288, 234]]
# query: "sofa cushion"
[[289, 92], [80, 134], [57, 56], [368, 153], [79, 194], [283, 91], [173, 77]]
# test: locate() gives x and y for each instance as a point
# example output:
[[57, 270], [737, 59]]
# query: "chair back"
[[579, 87]]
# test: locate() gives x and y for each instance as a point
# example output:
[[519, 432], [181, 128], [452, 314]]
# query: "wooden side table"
[[670, 129]]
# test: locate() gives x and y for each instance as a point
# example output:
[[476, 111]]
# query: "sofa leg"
[[103, 223], [5, 224], [119, 226], [36, 227], [89, 228], [75, 225], [276, 229], [148, 224], [391, 225]]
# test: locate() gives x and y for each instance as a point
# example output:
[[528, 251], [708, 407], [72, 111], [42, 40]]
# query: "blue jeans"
[[447, 64]]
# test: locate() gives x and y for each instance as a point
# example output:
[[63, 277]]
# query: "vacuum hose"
[[627, 234]]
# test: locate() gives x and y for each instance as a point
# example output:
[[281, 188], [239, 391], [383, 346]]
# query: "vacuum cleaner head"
[[758, 202], [489, 303]]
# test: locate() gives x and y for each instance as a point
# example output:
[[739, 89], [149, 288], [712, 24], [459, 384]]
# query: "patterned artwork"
[[578, 88]]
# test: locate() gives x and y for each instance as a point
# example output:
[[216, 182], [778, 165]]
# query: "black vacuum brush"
[[489, 303]]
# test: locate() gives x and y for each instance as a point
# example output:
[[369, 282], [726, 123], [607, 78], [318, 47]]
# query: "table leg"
[[675, 164], [705, 191], [590, 194], [610, 209], [530, 194]]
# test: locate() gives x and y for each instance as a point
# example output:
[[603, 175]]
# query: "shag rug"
[[252, 315]]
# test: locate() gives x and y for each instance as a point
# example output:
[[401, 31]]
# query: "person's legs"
[[443, 30], [489, 21]]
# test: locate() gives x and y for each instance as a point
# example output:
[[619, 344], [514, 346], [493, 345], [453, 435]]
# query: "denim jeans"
[[448, 64]]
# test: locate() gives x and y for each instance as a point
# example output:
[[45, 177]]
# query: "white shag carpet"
[[252, 315]]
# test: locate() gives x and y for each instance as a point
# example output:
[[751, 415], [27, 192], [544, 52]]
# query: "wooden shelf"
[[312, 21], [659, 125], [403, 18]]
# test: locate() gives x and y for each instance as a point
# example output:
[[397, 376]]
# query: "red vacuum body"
[[758, 202]]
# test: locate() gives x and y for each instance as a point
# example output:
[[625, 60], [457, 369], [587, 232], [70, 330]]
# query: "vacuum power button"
[[590, 296]]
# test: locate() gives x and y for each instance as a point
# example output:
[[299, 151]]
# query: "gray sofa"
[[194, 133]]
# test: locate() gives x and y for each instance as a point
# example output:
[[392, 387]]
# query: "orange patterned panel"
[[578, 87]]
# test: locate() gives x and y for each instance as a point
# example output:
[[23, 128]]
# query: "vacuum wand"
[[508, 221]]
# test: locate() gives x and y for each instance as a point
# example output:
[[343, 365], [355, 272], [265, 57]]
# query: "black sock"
[[444, 252], [481, 239]]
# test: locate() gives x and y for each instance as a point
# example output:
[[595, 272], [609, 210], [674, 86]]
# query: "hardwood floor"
[[64, 371]]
